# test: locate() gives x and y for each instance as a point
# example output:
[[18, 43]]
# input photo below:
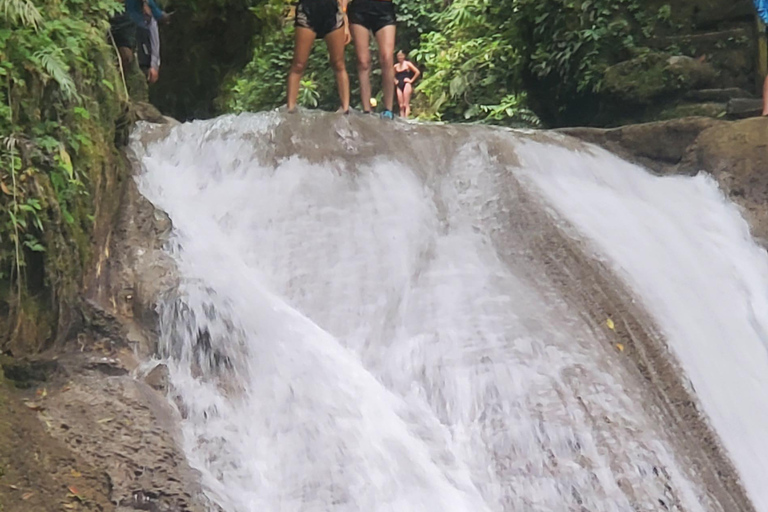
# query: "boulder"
[[653, 75], [736, 154], [683, 110], [718, 95], [157, 378], [739, 108], [658, 146]]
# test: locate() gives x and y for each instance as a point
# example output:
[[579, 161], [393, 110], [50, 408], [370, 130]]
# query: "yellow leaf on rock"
[[34, 406], [620, 347], [75, 473], [610, 324]]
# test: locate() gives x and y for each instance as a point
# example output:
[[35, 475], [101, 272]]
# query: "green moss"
[[648, 77], [62, 97], [640, 79], [715, 110]]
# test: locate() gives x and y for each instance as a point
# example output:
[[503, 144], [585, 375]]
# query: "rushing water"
[[363, 324]]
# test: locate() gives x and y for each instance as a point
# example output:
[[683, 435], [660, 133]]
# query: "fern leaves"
[[52, 61], [21, 11]]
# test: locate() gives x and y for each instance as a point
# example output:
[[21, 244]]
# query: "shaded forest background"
[[511, 62]]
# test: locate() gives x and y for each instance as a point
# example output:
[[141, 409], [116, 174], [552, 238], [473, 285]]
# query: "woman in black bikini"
[[327, 20], [405, 75]]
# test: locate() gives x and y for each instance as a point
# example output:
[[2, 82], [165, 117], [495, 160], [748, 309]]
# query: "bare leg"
[[335, 43], [361, 38], [385, 38], [400, 101], [407, 99], [765, 97], [304, 40]]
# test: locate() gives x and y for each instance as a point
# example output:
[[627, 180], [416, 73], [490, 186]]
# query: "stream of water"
[[363, 323]]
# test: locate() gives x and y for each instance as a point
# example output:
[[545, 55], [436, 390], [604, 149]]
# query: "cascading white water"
[[362, 324]]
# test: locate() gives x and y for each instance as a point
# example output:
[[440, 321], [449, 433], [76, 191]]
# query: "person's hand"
[[408, 80], [153, 75], [166, 17], [347, 34]]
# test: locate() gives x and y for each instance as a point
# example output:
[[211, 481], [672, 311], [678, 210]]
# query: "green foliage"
[[261, 85], [569, 44], [472, 66], [482, 59], [415, 19], [21, 12], [55, 63]]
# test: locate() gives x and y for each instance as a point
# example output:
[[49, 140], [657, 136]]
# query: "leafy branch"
[[52, 61], [21, 11]]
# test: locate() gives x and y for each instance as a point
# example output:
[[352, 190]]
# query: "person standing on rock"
[[327, 20], [377, 16], [405, 75]]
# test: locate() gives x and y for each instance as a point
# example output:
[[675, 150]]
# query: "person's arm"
[[416, 72], [347, 35], [154, 42], [762, 10], [157, 12]]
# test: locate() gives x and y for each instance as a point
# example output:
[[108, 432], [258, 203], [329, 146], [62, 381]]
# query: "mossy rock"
[[25, 374], [703, 14], [645, 79], [714, 110]]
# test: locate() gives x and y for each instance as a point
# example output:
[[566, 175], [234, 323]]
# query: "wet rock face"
[[127, 429], [132, 269], [96, 409], [37, 472], [111, 412]]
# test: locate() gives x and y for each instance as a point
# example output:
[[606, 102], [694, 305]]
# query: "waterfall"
[[380, 316]]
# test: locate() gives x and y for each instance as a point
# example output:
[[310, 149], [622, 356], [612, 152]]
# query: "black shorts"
[[123, 31], [372, 14], [320, 16]]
